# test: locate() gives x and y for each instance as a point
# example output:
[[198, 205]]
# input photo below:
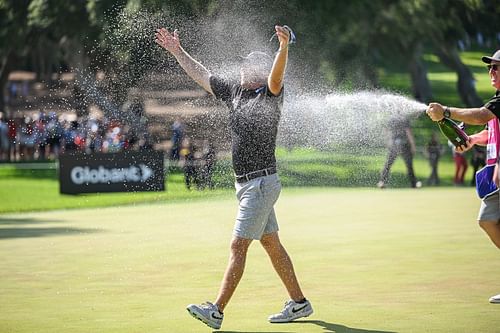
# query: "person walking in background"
[[177, 137], [207, 168], [433, 154], [255, 104], [401, 143], [187, 152], [487, 185], [460, 165]]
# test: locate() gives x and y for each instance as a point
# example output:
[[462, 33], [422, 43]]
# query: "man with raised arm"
[[255, 105], [489, 213]]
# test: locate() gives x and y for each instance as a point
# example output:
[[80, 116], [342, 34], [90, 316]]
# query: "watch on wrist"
[[447, 113]]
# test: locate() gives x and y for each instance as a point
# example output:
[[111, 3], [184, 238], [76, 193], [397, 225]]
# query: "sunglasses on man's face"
[[493, 67]]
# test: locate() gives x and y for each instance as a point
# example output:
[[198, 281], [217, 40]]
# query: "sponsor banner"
[[127, 171]]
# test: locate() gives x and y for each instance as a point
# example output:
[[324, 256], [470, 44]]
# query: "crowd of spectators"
[[45, 136]]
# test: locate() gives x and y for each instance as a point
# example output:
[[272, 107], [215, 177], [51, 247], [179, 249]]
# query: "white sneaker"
[[495, 299], [208, 313], [292, 311]]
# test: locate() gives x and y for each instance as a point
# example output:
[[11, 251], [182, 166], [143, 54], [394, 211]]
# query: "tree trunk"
[[466, 83], [421, 87], [5, 68]]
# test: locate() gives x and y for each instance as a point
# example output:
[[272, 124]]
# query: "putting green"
[[369, 260]]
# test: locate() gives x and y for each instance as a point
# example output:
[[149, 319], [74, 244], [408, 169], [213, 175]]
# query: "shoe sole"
[[202, 319], [281, 321], [495, 301]]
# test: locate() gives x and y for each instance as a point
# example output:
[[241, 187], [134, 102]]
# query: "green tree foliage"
[[343, 41]]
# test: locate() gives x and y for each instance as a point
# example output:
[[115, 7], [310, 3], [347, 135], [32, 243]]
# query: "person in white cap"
[[255, 104], [487, 181]]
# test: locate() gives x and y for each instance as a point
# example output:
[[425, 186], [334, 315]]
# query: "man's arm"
[[277, 75], [195, 70], [473, 116]]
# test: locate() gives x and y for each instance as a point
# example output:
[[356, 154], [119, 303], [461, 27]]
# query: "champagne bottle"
[[453, 132]]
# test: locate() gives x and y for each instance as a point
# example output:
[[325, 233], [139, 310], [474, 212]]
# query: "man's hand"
[[435, 111], [473, 140], [169, 41], [283, 36], [462, 149]]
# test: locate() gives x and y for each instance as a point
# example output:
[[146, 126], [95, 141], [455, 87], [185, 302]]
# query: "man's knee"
[[239, 246], [271, 242], [486, 225], [492, 229]]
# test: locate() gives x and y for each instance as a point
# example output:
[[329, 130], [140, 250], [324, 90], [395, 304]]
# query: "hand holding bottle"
[[473, 140], [467, 146]]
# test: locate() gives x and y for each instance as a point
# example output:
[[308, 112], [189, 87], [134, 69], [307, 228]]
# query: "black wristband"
[[447, 113]]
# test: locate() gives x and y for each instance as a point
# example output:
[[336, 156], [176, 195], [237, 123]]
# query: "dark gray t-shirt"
[[253, 121]]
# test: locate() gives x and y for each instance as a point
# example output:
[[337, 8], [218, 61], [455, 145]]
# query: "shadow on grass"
[[336, 328], [24, 220], [329, 327], [29, 173], [7, 233]]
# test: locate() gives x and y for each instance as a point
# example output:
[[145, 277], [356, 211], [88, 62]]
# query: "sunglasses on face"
[[492, 67]]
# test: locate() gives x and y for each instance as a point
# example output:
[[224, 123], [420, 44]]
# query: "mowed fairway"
[[369, 260]]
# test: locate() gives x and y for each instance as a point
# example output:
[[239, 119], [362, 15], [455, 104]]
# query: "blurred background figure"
[[54, 132], [41, 136], [70, 136], [434, 151], [4, 139], [190, 171], [208, 164], [461, 165], [12, 128], [177, 136], [402, 143], [27, 139]]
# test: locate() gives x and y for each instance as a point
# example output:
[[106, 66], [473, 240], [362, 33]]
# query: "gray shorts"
[[256, 215], [490, 209]]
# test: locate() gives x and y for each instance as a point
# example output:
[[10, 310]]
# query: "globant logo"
[[102, 175]]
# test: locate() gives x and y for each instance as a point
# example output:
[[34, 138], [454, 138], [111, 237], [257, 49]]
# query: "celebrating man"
[[255, 105]]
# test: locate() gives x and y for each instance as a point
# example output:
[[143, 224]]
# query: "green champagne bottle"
[[453, 132]]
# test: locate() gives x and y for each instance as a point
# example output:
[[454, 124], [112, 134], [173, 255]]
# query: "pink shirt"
[[493, 141]]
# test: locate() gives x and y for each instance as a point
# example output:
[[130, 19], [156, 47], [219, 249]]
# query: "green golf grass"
[[394, 260], [23, 190]]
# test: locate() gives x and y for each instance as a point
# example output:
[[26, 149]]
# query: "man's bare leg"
[[282, 264], [492, 229], [234, 271]]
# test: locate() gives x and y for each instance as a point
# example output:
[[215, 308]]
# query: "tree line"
[[341, 42]]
